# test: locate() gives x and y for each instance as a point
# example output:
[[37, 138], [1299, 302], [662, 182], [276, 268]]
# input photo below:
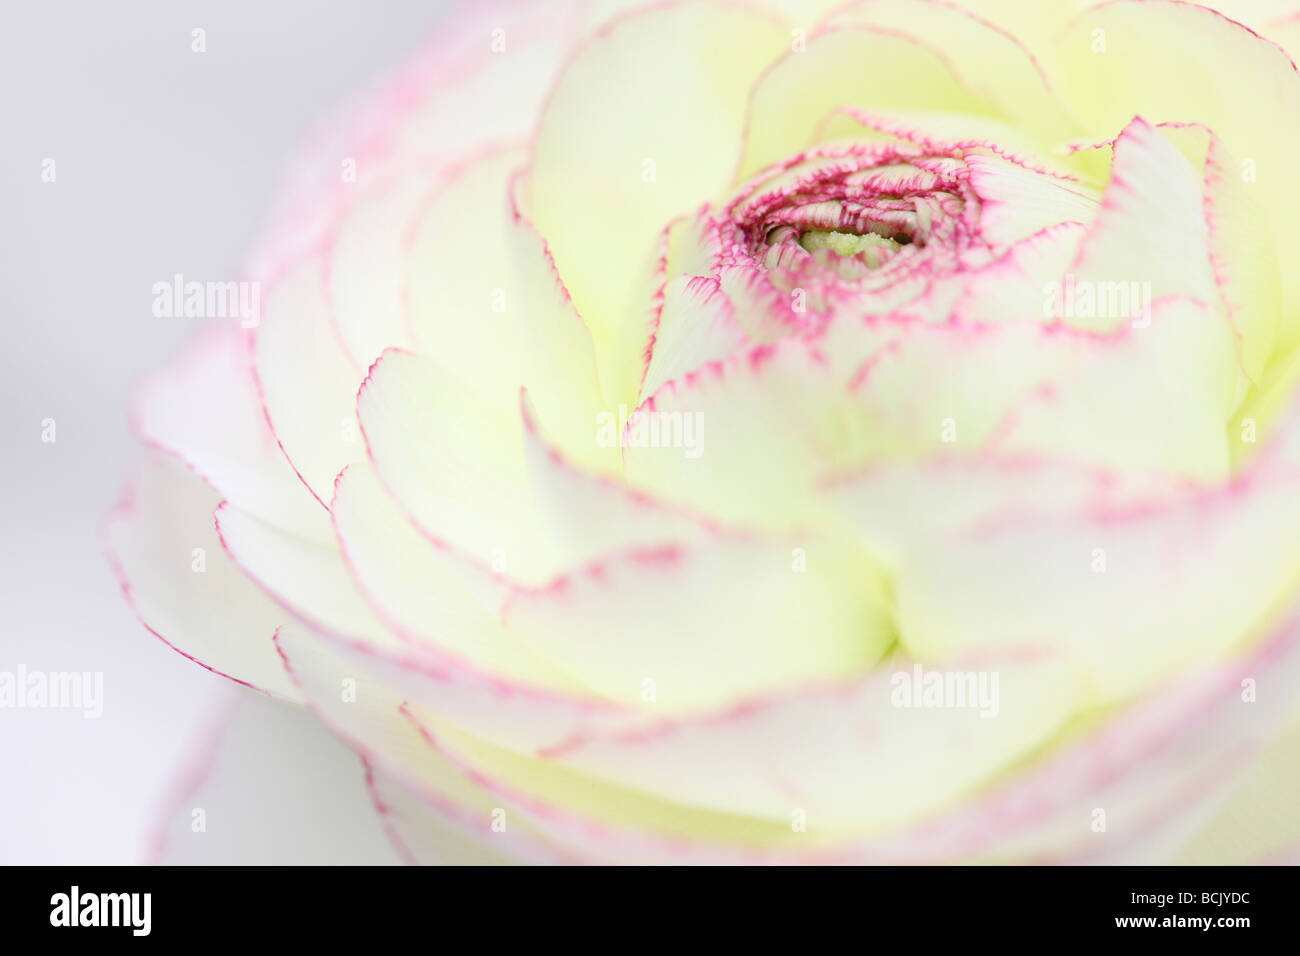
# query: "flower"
[[833, 433]]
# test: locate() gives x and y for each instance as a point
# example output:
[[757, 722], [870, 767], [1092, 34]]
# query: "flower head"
[[846, 434]]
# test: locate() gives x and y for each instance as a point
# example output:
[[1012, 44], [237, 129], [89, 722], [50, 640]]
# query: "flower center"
[[849, 244], [870, 224]]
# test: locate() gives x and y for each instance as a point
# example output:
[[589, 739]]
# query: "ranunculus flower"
[[816, 433]]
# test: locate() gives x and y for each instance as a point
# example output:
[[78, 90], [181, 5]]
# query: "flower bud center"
[[847, 244], [862, 223]]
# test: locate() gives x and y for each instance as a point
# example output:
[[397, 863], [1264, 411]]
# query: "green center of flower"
[[846, 244]]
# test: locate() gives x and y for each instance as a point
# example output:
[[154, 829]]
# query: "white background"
[[166, 160]]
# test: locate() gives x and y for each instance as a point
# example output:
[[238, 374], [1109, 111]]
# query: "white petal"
[[273, 788], [182, 585]]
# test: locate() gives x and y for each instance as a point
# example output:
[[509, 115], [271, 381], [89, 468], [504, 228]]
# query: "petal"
[[1156, 398], [454, 460], [907, 505], [412, 786], [519, 716], [308, 381], [697, 325], [461, 89], [485, 75], [1242, 257], [764, 426], [1153, 771], [431, 836], [428, 595], [775, 614], [596, 821], [1134, 589], [1151, 228], [204, 409], [1024, 388], [589, 516], [1016, 202], [559, 367], [477, 482], [308, 580], [174, 573], [271, 786], [364, 265], [1012, 287], [881, 758], [457, 276]]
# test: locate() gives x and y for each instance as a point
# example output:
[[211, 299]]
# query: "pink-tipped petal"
[[181, 584]]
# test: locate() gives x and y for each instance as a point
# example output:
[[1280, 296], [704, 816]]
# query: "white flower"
[[859, 438]]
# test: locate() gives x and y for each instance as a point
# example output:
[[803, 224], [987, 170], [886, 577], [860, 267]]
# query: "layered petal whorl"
[[627, 453]]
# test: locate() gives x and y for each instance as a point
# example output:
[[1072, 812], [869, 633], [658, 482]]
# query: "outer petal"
[[461, 89], [307, 379], [428, 595], [558, 366], [745, 617], [431, 781], [509, 714], [455, 461], [274, 788], [587, 516], [473, 479], [1153, 398], [1150, 769], [174, 572], [456, 276], [879, 759], [426, 836], [396, 143], [413, 788], [204, 408], [1153, 771], [310, 581], [363, 265], [595, 821], [1133, 591]]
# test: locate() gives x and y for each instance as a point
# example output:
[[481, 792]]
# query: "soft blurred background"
[[165, 160]]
